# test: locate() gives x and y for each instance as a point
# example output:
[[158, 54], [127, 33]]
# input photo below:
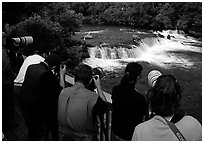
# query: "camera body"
[[97, 73]]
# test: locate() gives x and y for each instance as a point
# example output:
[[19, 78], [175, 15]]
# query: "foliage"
[[186, 16], [53, 23], [46, 34], [68, 19], [77, 54], [15, 12], [51, 26]]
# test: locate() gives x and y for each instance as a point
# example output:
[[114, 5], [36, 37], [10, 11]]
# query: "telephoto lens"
[[26, 40]]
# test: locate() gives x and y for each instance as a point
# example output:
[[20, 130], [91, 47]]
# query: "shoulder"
[[82, 92], [190, 128], [66, 91], [142, 130], [144, 125], [190, 121], [91, 95]]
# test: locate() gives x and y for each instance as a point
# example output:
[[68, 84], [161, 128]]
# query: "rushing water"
[[180, 56], [162, 52]]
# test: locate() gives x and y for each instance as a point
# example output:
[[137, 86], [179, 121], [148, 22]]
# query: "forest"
[[53, 23]]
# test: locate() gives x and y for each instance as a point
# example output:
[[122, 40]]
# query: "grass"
[[189, 79]]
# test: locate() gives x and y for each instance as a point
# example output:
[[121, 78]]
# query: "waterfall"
[[115, 52], [155, 50]]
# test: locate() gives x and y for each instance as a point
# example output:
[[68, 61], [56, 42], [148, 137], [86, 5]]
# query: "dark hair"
[[83, 74], [53, 60], [165, 95], [132, 72]]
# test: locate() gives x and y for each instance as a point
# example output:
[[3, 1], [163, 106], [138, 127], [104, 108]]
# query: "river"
[[181, 56]]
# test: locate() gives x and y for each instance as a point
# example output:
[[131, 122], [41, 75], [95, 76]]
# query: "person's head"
[[132, 73], [83, 74], [165, 96], [53, 61], [152, 77]]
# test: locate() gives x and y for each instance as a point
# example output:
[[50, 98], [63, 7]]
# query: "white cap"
[[152, 77]]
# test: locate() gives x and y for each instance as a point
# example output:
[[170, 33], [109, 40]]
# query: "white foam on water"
[[89, 32], [157, 51], [106, 64]]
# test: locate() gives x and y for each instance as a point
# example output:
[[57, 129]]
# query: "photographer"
[[8, 118], [78, 123], [165, 98], [38, 98]]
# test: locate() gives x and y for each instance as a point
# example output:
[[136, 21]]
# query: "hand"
[[97, 81], [62, 69], [99, 89]]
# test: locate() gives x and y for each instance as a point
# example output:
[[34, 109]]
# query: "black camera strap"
[[175, 130]]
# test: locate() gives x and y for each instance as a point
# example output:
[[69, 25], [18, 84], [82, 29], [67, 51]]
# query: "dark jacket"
[[7, 73], [40, 84], [129, 108], [39, 96]]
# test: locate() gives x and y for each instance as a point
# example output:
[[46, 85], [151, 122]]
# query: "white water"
[[157, 51]]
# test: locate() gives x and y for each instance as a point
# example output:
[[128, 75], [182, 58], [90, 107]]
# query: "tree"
[[15, 12], [46, 34], [165, 16], [67, 18]]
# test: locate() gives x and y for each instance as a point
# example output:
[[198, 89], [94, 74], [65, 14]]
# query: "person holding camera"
[[8, 112], [152, 78], [78, 107], [29, 60], [39, 96], [165, 97]]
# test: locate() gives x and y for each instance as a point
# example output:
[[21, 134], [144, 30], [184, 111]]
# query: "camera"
[[19, 42], [96, 77], [26, 40], [97, 73], [16, 47]]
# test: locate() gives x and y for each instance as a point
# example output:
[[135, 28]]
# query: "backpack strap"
[[175, 130]]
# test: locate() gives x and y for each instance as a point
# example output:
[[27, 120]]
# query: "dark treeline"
[[148, 15], [60, 20], [186, 16], [50, 24]]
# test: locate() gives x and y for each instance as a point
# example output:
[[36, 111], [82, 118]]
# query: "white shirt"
[[33, 59], [156, 129]]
